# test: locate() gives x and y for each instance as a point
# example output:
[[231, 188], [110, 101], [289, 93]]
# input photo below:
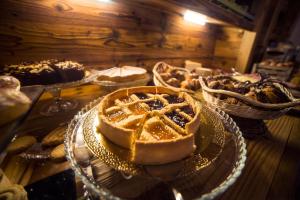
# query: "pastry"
[[55, 137], [262, 90], [21, 144], [156, 123], [13, 104], [122, 74], [9, 82], [178, 78], [58, 153], [45, 72]]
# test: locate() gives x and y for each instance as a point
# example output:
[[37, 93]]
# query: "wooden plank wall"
[[100, 34], [227, 46]]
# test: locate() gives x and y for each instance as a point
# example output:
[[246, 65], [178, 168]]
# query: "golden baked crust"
[[156, 123]]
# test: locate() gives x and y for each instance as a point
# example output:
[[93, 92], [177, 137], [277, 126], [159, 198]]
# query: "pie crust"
[[122, 74], [156, 123]]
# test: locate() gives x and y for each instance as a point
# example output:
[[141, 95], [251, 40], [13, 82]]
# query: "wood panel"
[[100, 34], [227, 47], [245, 51], [212, 10]]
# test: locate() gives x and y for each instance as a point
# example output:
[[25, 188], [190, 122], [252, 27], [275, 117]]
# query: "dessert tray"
[[247, 107], [107, 172]]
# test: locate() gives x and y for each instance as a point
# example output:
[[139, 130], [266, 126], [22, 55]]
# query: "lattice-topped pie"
[[156, 123]]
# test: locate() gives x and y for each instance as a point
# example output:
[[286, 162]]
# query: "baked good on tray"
[[122, 74], [180, 79], [261, 99], [9, 82], [156, 123], [45, 72], [263, 91], [13, 104]]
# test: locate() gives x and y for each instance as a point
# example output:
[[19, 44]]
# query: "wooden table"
[[272, 167]]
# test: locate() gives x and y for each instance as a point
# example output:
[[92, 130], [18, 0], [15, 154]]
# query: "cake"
[[45, 72], [156, 123], [69, 71], [122, 74]]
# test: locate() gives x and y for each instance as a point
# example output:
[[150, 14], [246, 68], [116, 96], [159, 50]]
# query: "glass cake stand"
[[107, 173], [60, 105]]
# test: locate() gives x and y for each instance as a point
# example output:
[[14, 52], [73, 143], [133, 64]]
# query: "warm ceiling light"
[[104, 0], [194, 17]]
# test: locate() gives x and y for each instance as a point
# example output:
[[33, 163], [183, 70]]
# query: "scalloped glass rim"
[[102, 192]]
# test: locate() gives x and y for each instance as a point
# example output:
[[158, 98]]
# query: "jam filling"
[[160, 132], [155, 104], [188, 110], [137, 109], [141, 95], [179, 120], [174, 99], [132, 126], [116, 116]]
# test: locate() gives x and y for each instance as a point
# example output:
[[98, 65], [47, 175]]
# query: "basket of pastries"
[[175, 78], [261, 98]]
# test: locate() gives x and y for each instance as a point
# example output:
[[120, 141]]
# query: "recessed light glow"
[[104, 0], [194, 17]]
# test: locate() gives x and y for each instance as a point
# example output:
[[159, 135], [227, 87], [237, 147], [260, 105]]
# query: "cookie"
[[20, 144], [58, 153], [55, 137]]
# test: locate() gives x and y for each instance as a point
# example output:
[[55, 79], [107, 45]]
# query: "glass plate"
[[211, 142], [107, 173]]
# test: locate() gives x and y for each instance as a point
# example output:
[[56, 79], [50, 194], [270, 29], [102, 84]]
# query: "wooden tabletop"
[[272, 166]]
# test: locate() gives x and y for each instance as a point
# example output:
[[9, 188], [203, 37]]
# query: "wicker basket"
[[158, 81], [247, 107]]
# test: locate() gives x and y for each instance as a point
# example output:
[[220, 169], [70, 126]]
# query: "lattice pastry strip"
[[133, 108]]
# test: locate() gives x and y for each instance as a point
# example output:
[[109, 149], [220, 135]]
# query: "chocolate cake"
[[45, 72], [69, 70]]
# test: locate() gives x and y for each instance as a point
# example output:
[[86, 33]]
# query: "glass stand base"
[[59, 107]]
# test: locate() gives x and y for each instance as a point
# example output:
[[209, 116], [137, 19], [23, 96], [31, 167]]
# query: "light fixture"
[[104, 0], [194, 17]]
